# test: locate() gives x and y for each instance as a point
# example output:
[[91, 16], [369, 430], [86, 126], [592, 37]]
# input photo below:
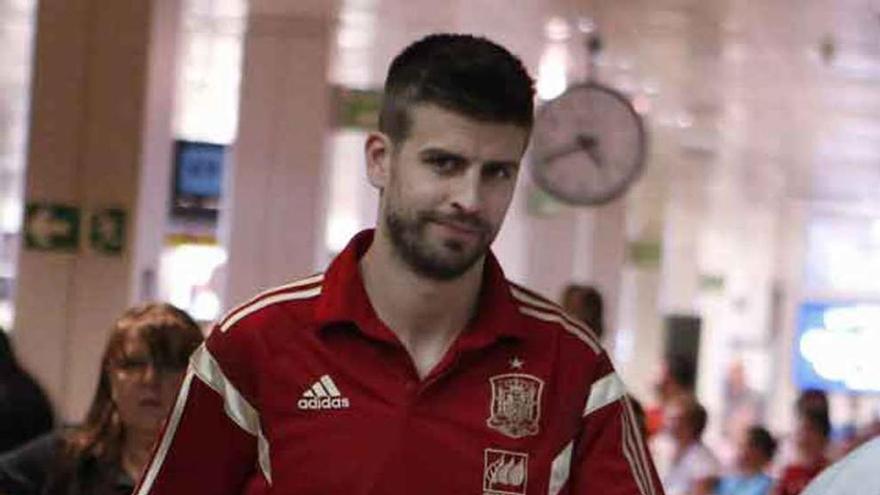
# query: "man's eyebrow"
[[440, 152], [503, 163], [444, 153]]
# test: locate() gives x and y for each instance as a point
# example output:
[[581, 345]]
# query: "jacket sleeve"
[[610, 455], [24, 471], [212, 441]]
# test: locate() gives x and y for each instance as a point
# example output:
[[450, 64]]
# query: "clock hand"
[[582, 143], [591, 147], [586, 141], [560, 152]]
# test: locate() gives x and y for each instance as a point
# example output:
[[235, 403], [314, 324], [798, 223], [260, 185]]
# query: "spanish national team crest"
[[516, 404]]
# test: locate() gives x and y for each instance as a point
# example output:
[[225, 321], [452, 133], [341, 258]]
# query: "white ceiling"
[[780, 96]]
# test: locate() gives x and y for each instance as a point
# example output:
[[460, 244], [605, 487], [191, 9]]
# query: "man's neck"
[[426, 315]]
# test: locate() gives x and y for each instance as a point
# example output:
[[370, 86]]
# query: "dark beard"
[[407, 240]]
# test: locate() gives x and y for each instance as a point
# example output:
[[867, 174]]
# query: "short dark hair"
[[459, 72], [763, 440], [812, 399]]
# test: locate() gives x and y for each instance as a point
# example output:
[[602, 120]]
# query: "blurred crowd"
[[762, 463], [759, 463]]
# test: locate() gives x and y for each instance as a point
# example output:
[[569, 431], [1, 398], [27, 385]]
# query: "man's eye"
[[443, 164], [498, 172]]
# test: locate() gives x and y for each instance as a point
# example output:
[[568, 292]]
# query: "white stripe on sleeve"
[[560, 470], [236, 406], [170, 430], [604, 391]]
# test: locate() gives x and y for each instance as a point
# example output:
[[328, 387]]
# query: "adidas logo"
[[322, 395]]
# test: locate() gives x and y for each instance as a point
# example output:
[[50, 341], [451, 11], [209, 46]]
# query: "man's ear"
[[378, 150]]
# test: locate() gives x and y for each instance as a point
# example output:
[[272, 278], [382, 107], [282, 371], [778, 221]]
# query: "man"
[[811, 438], [677, 378], [756, 451], [693, 465], [675, 381], [810, 401], [412, 365]]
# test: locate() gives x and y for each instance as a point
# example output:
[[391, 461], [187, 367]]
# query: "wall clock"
[[588, 145]]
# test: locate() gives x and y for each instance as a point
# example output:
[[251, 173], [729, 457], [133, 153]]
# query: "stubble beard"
[[441, 262]]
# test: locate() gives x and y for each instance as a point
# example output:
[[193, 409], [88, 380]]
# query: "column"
[[272, 220], [100, 137]]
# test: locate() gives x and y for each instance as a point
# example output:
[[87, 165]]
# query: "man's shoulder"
[[292, 303], [546, 318]]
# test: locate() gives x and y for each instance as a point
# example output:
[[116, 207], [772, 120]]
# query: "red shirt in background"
[[796, 477]]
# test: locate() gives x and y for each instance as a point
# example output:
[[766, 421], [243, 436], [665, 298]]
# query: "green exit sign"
[[107, 231], [644, 253], [358, 109], [51, 227]]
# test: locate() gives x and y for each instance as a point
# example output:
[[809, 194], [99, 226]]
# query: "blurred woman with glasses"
[[143, 365]]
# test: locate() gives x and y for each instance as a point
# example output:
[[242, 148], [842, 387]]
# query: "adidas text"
[[323, 403]]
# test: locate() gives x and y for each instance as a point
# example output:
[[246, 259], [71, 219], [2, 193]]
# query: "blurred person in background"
[[142, 367], [584, 302], [811, 441], [25, 411], [808, 400], [693, 464], [677, 379], [755, 452], [742, 408]]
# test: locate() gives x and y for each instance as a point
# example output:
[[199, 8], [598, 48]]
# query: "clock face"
[[588, 145]]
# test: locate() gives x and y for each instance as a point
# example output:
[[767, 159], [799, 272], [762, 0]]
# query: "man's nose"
[[466, 193]]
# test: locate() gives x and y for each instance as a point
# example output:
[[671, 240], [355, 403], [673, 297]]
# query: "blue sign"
[[198, 179], [199, 169], [837, 345]]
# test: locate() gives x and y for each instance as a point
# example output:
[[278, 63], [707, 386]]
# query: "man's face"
[[676, 421], [446, 189], [809, 438], [749, 456]]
